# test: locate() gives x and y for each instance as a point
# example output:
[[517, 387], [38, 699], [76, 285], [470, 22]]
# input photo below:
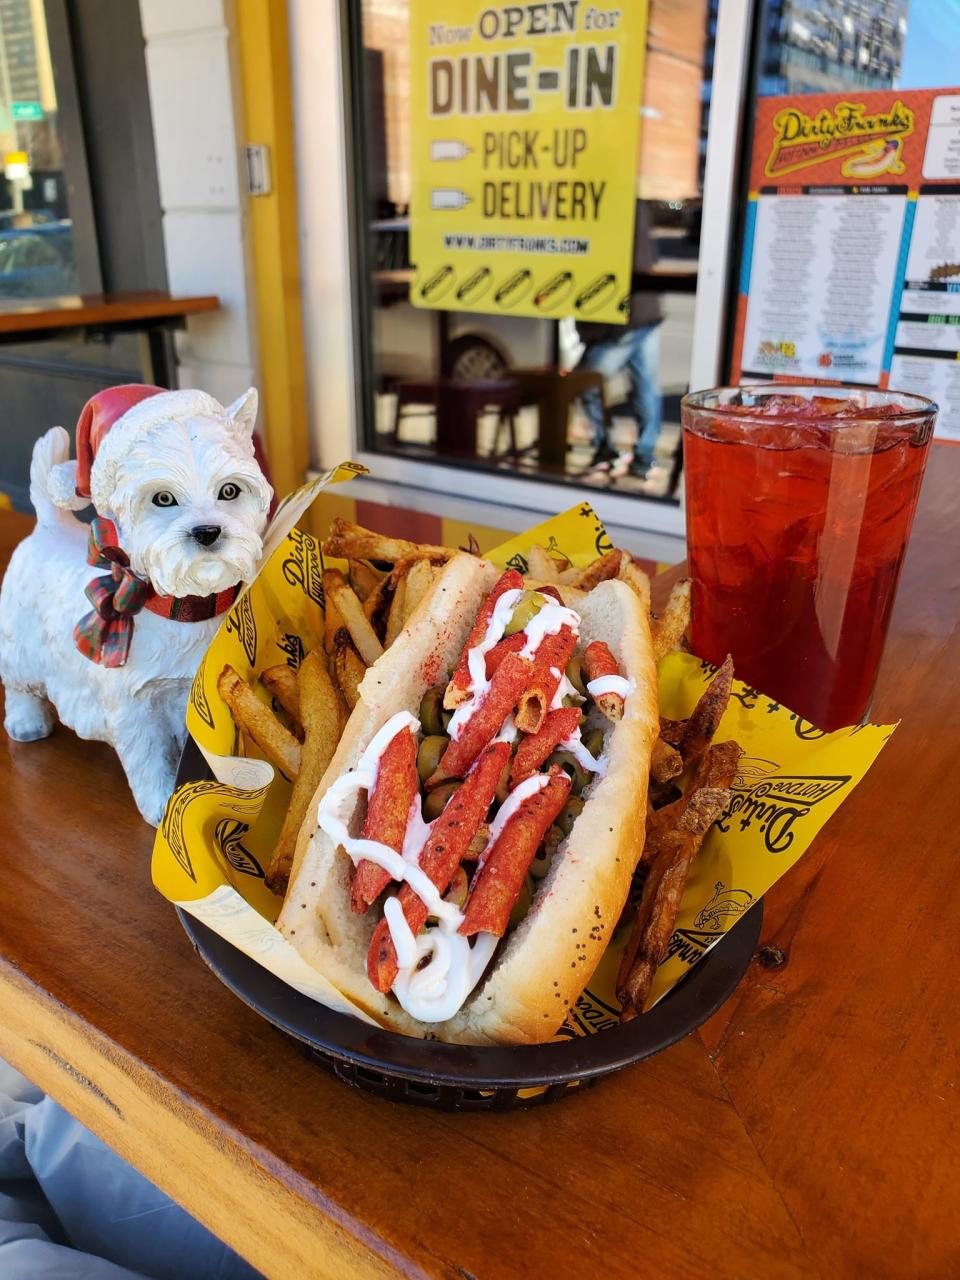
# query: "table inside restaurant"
[[150, 313], [809, 1129]]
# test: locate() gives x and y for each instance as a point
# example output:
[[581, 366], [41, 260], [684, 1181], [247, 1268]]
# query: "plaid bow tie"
[[104, 634]]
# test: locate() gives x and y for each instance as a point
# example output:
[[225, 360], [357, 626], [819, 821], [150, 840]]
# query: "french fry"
[[705, 718], [668, 630], [634, 577], [377, 602], [332, 622], [716, 771], [281, 683], [259, 723], [473, 546], [348, 668], [672, 731], [660, 794], [322, 724], [403, 567], [662, 892], [353, 542], [418, 581], [362, 577], [665, 762], [604, 567], [541, 565], [395, 616], [354, 619]]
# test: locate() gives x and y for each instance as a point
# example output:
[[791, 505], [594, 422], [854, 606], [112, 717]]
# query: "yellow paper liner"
[[216, 837]]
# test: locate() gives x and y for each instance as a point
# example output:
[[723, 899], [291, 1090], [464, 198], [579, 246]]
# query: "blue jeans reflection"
[[637, 351]]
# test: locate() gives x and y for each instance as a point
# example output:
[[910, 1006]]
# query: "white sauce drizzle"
[[547, 622], [610, 684], [523, 791], [508, 733], [564, 690], [477, 660], [437, 991], [574, 744]]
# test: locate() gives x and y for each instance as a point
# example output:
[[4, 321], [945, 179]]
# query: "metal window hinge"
[[258, 170]]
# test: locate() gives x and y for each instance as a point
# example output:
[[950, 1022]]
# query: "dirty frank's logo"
[[872, 140], [301, 567], [242, 624], [774, 803]]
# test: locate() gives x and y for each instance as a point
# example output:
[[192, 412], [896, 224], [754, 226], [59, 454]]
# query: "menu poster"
[[524, 127], [851, 260]]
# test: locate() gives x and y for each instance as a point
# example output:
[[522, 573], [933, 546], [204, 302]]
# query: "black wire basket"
[[453, 1077]]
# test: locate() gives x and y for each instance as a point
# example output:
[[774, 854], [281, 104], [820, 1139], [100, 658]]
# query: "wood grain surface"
[[810, 1130], [76, 311]]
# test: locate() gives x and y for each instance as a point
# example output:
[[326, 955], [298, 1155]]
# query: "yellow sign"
[[524, 142]]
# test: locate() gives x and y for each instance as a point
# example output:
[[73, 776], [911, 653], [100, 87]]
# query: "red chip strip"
[[552, 655], [509, 681], [388, 807], [497, 884], [535, 747], [509, 644], [458, 690], [599, 661], [443, 853]]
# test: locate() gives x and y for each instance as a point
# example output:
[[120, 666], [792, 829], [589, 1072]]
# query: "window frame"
[[341, 362]]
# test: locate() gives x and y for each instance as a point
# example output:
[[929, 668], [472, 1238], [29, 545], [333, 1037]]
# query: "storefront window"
[[571, 402], [36, 234]]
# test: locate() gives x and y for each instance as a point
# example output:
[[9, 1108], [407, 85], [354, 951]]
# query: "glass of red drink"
[[799, 506]]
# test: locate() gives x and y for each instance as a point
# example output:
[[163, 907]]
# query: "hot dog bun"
[[544, 964]]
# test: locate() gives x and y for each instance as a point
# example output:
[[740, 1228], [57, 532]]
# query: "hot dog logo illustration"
[[872, 141], [726, 904], [554, 291], [475, 285]]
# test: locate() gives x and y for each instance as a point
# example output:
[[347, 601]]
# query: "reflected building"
[[824, 46]]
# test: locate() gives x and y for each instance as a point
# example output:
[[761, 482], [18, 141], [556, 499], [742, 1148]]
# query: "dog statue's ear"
[[244, 410]]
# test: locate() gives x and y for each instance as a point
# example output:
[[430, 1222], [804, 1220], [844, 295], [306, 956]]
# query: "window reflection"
[[584, 404], [36, 238]]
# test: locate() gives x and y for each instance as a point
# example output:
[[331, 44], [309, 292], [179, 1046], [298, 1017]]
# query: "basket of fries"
[[476, 830]]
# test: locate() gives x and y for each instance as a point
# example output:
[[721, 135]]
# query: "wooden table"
[[811, 1129], [150, 313]]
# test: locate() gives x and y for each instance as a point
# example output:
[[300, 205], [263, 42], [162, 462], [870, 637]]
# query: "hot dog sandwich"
[[472, 843]]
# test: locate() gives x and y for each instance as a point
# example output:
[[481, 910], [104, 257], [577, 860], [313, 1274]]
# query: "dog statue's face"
[[190, 504]]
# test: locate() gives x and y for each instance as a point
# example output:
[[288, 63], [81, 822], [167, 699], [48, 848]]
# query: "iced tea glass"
[[799, 505]]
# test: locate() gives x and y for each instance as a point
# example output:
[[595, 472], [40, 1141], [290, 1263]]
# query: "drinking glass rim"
[[924, 406]]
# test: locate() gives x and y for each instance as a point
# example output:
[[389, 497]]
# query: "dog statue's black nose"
[[206, 534]]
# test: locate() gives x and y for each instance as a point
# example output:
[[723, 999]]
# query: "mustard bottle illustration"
[[449, 198], [448, 149]]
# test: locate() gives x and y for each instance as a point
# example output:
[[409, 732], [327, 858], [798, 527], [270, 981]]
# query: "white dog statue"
[[181, 509]]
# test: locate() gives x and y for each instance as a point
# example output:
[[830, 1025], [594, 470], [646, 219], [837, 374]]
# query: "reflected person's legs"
[[645, 398], [607, 359]]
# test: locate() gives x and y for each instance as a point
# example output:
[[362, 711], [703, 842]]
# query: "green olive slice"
[[429, 753], [528, 606]]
